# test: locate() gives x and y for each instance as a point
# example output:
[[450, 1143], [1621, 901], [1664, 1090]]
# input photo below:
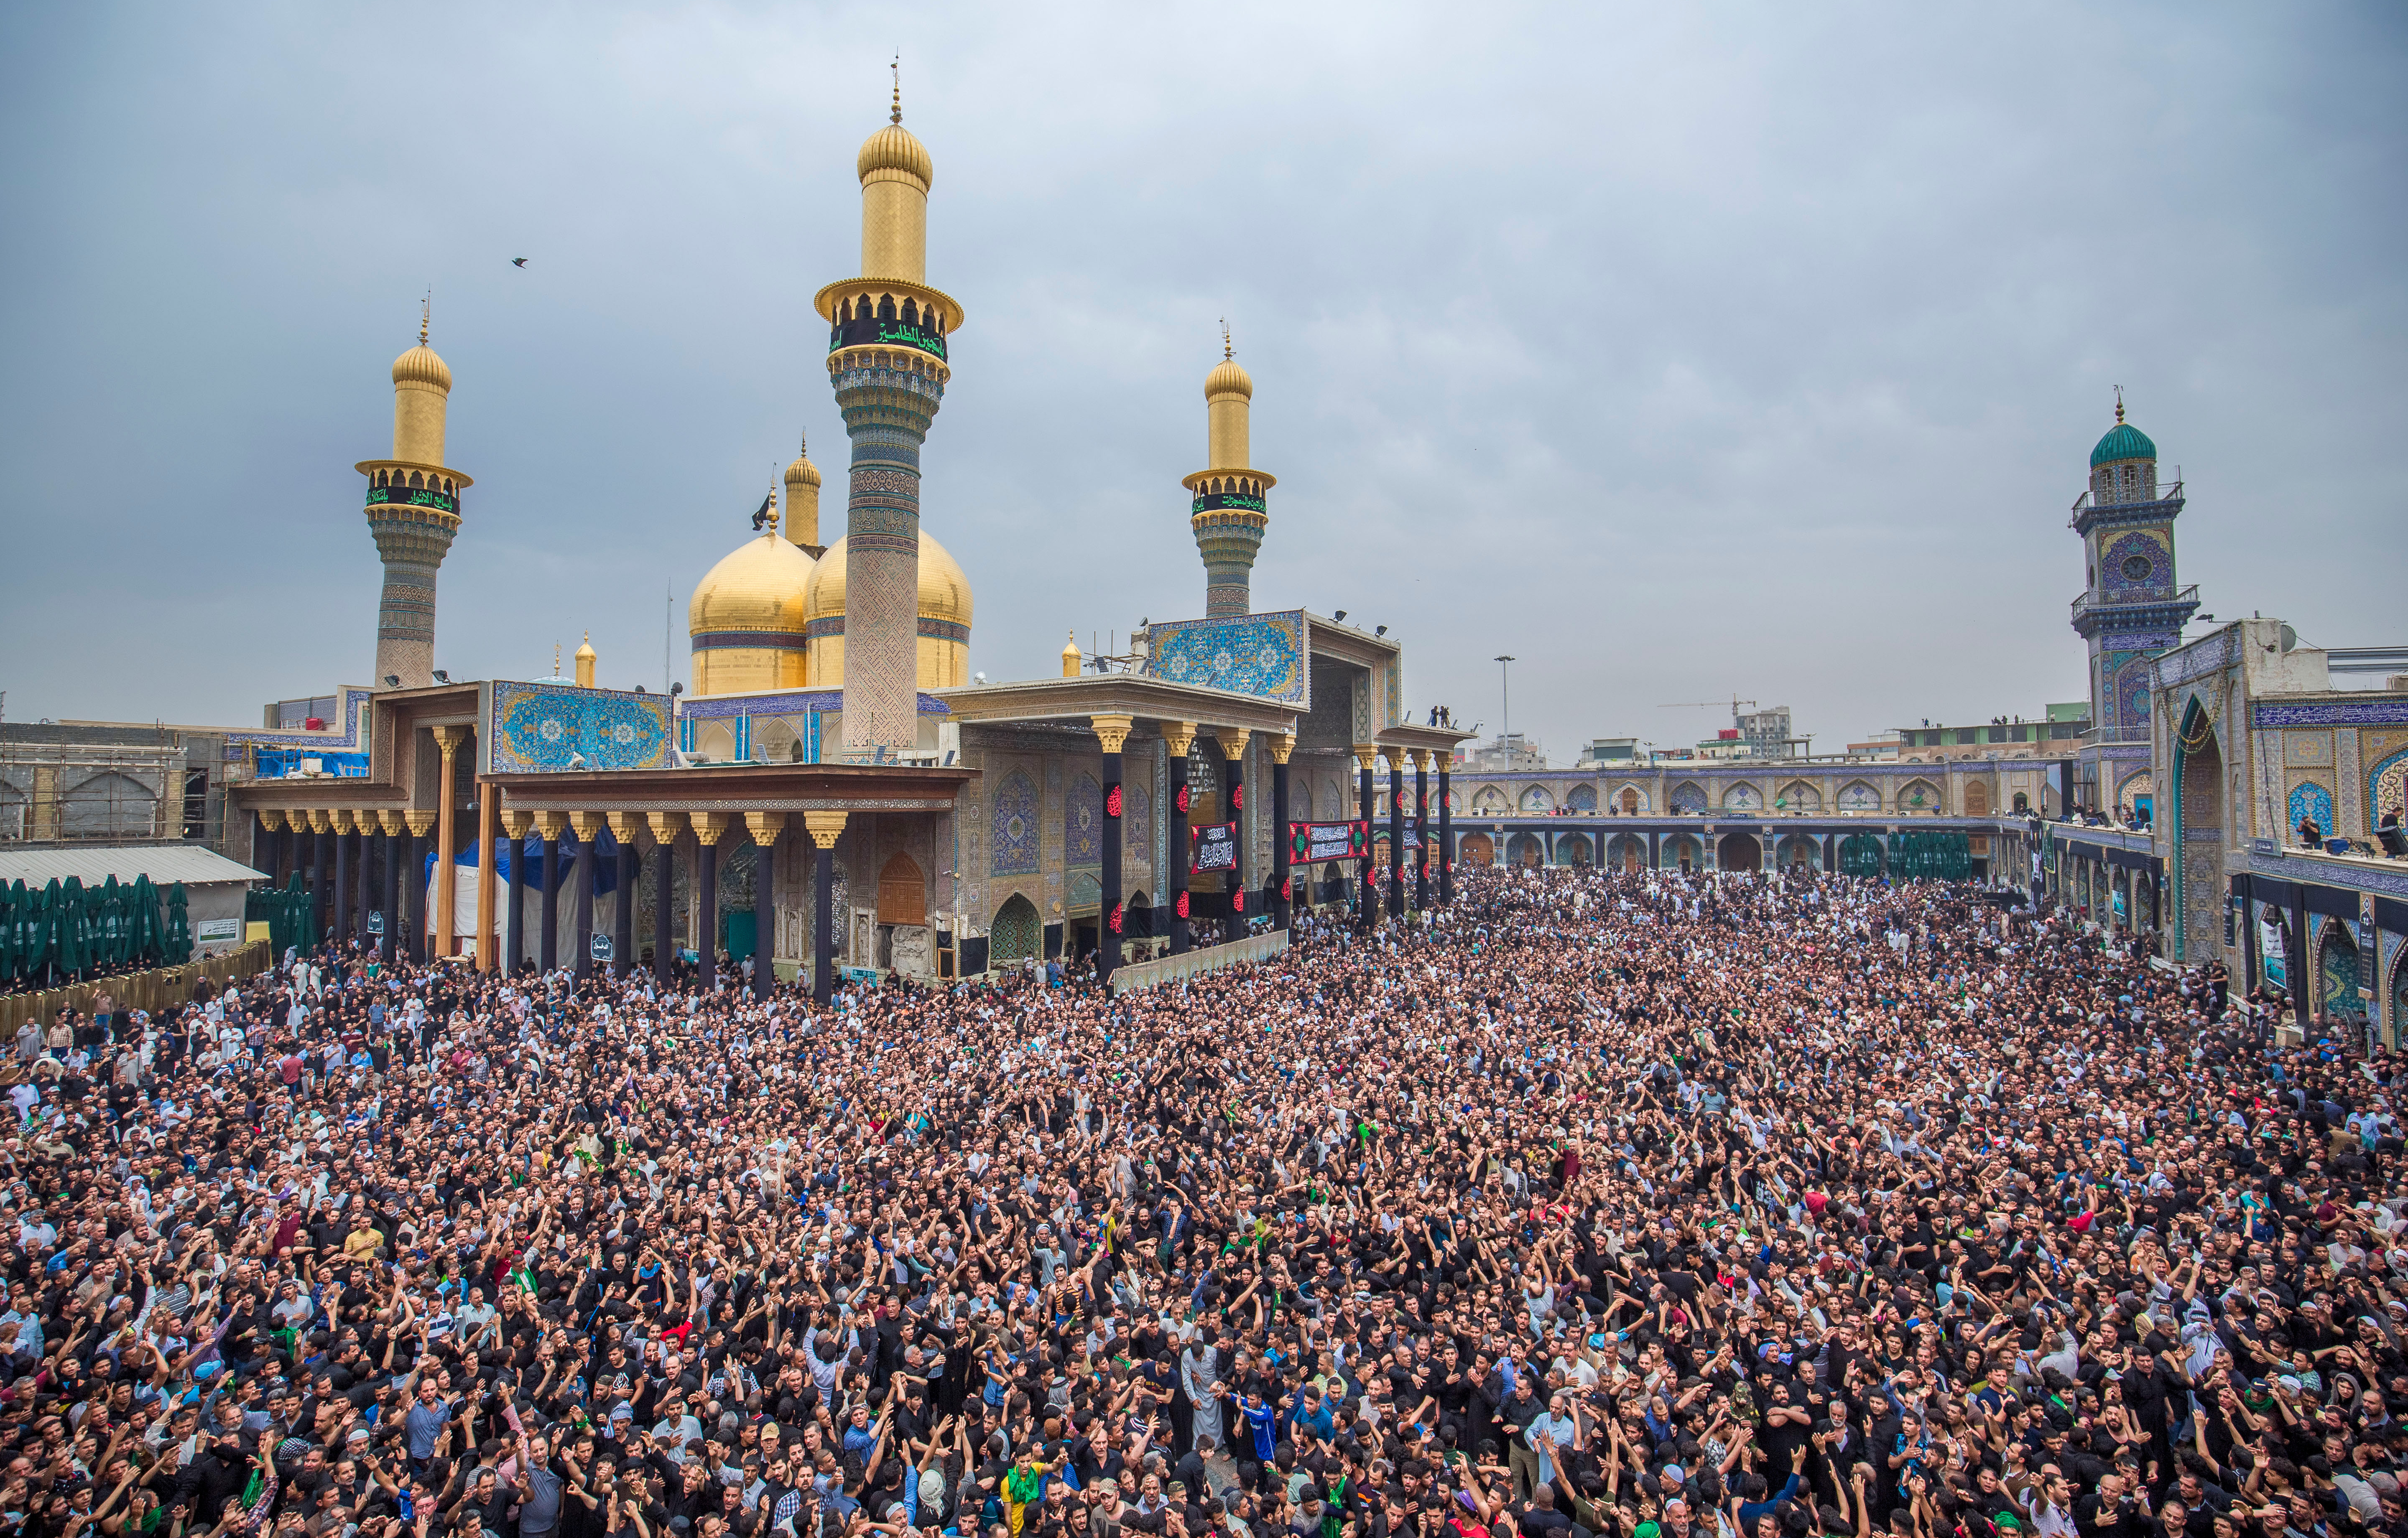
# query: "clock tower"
[[2131, 609]]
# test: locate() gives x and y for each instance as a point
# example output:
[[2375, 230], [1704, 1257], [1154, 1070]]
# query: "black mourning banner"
[[1214, 846]]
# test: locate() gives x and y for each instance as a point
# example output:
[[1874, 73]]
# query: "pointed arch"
[[1582, 799], [1743, 797], [1799, 796], [1977, 798], [1859, 796], [1535, 798], [1920, 795], [902, 891], [1688, 799], [1632, 800], [1015, 933]]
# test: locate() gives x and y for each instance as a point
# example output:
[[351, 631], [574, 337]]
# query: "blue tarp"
[[531, 850]]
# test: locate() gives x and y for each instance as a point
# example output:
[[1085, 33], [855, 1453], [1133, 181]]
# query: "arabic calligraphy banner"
[[411, 496], [873, 332], [1214, 846]]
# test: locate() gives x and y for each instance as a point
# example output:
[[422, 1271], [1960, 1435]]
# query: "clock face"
[[2136, 568]]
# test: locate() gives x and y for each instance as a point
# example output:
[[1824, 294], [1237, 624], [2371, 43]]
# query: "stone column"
[[1421, 829], [1396, 757], [826, 828], [708, 826], [624, 826], [587, 826], [766, 829], [1445, 834], [447, 739], [1177, 738], [1112, 731], [1233, 780], [665, 826], [414, 880], [1283, 852], [547, 945], [338, 928], [516, 823], [489, 818], [363, 892], [1367, 897]]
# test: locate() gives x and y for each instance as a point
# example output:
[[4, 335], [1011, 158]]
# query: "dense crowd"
[[1627, 1205]]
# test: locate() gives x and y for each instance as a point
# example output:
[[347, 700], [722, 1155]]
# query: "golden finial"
[[772, 524], [1227, 352], [555, 658], [2119, 406], [425, 314], [898, 67]]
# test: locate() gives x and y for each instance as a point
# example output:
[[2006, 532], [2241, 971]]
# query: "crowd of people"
[[1605, 1206]]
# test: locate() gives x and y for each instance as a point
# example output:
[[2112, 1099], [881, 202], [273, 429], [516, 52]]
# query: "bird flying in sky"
[[518, 261]]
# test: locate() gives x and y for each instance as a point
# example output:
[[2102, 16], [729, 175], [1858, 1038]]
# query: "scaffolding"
[[66, 792]]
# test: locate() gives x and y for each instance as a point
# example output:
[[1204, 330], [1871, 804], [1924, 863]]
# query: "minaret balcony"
[[2134, 607]]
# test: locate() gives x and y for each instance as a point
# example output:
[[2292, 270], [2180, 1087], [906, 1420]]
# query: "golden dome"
[[893, 148], [802, 473], [944, 587], [1228, 379], [758, 586], [420, 365]]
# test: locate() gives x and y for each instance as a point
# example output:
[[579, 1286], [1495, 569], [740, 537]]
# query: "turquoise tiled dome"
[[2123, 442]]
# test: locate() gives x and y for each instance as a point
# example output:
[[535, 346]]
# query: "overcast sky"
[[1680, 351]]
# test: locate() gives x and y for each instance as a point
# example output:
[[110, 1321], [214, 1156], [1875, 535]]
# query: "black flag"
[[761, 517]]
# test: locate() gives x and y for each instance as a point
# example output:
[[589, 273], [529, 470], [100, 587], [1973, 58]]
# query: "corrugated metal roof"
[[165, 864]]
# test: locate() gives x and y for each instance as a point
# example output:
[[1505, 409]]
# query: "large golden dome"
[[420, 365], [893, 148], [944, 587], [759, 586]]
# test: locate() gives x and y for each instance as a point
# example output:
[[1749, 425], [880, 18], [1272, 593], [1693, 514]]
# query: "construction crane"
[[1708, 705]]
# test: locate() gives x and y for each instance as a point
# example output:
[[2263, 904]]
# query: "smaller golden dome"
[[893, 148], [585, 652], [1228, 379], [802, 473], [759, 586], [1071, 657], [420, 365]]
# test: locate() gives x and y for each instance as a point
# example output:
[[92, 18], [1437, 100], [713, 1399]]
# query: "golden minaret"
[[413, 509]]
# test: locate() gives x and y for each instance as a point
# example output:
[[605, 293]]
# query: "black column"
[[764, 914], [546, 944], [623, 931], [706, 910], [338, 917], [822, 922], [589, 864], [362, 886], [1233, 800], [1283, 855], [1445, 840], [663, 896], [1367, 891], [413, 898], [1395, 835], [1110, 916], [514, 921], [1181, 855], [391, 944], [319, 902], [1421, 832], [2294, 965]]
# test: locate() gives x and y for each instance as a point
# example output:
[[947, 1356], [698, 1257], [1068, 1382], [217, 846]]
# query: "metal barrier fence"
[[1195, 963], [162, 988]]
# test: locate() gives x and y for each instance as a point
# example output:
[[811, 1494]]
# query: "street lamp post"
[[1505, 682]]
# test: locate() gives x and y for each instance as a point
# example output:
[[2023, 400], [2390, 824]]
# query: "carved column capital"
[[587, 825], [666, 827], [708, 826], [448, 738], [516, 822], [1396, 757], [272, 819], [1282, 747], [1112, 730], [1232, 740], [1421, 757], [1179, 737], [624, 826], [1366, 754], [825, 827], [765, 827], [421, 823]]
